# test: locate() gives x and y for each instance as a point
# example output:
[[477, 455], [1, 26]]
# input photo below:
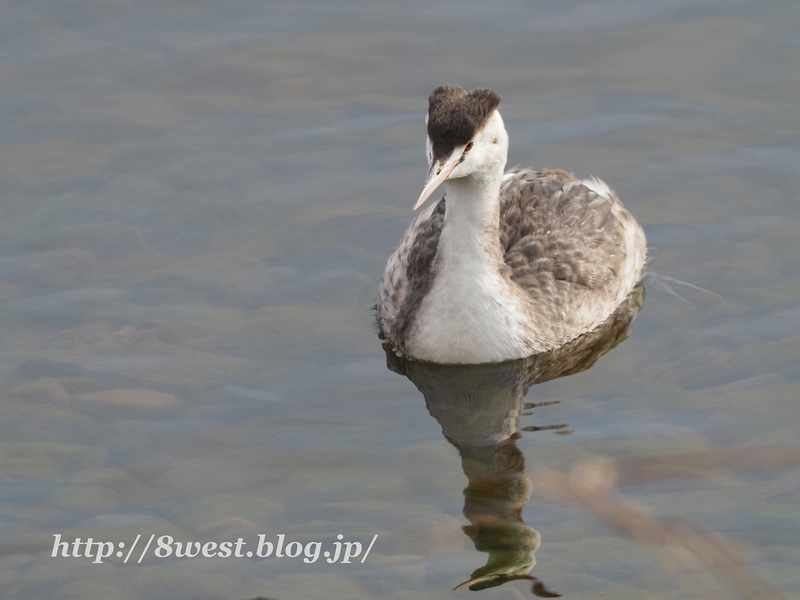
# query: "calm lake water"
[[197, 201]]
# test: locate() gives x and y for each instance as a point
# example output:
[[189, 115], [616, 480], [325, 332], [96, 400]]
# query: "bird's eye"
[[469, 147]]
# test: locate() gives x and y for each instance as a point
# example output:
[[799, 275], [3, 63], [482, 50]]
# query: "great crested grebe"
[[505, 265]]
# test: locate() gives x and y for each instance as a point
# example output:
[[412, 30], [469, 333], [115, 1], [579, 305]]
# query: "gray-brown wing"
[[408, 273], [562, 241]]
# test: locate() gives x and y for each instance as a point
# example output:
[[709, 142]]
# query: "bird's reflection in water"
[[478, 407]]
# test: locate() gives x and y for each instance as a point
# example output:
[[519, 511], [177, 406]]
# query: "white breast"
[[470, 315]]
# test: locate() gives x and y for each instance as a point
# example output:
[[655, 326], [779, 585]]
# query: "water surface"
[[197, 202]]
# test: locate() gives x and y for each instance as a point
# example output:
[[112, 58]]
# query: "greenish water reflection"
[[478, 407]]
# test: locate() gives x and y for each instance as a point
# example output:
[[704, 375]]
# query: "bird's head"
[[466, 137]]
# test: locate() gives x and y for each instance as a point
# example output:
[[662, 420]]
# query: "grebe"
[[505, 266]]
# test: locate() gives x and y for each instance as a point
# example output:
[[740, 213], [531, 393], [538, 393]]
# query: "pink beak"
[[435, 178]]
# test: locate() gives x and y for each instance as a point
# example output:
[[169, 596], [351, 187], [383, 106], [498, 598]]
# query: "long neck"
[[472, 221], [473, 312]]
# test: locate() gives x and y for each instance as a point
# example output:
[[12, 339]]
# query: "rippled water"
[[197, 201]]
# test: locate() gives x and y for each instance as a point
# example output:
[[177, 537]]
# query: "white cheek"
[[429, 149], [462, 170]]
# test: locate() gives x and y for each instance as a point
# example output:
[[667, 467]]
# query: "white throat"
[[473, 313]]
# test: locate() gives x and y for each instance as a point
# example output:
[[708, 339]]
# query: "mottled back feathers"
[[561, 240], [419, 268]]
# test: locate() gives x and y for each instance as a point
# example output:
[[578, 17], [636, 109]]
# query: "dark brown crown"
[[455, 116]]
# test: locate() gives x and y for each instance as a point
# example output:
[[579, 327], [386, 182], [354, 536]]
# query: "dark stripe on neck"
[[420, 273]]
